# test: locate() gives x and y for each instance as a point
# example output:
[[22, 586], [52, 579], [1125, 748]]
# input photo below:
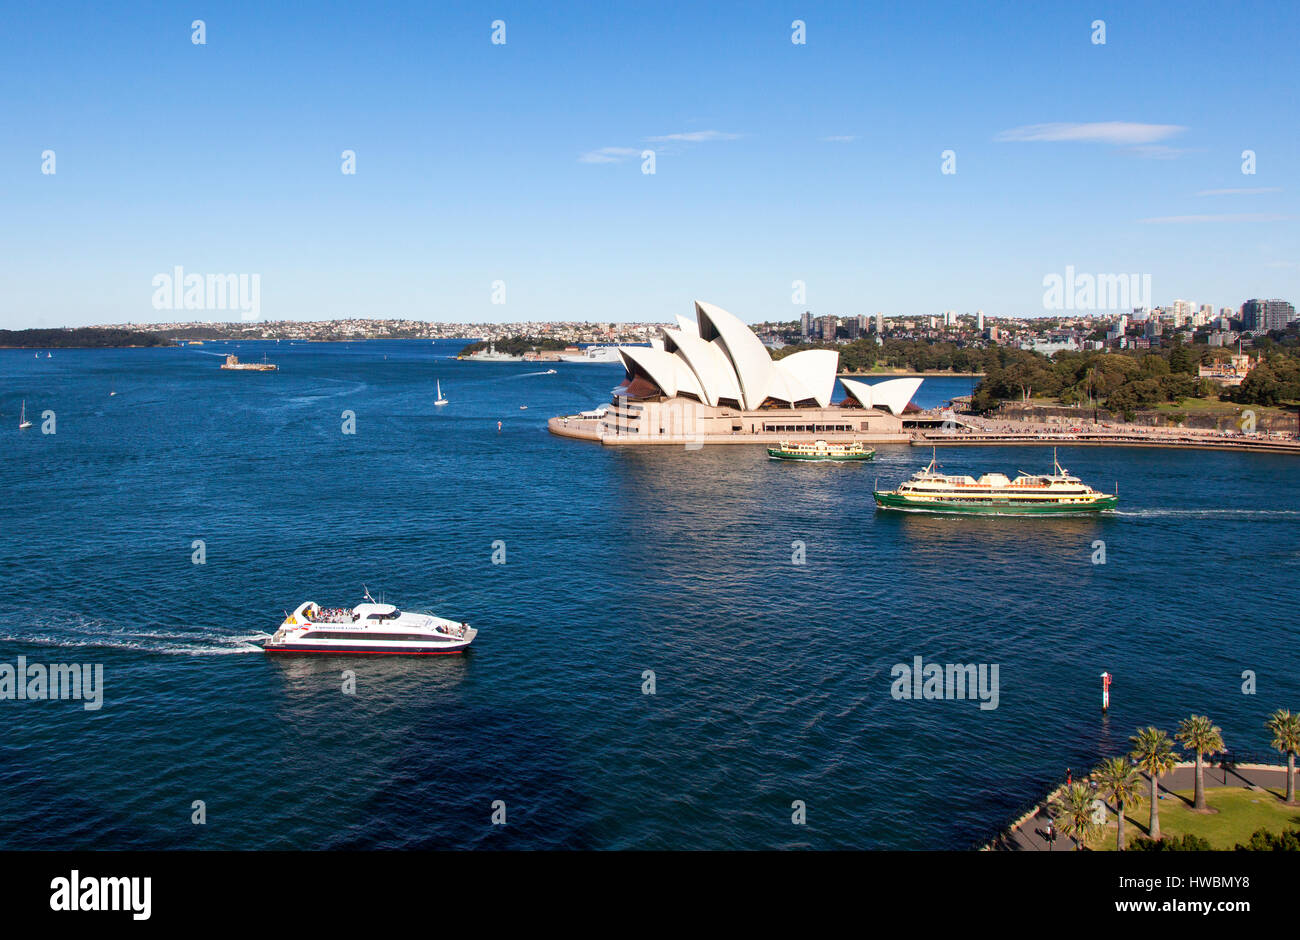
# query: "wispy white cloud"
[[840, 138], [608, 155], [1195, 219], [1240, 192], [694, 137], [1118, 133], [619, 154]]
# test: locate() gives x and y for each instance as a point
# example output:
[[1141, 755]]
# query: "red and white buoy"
[[1105, 691]]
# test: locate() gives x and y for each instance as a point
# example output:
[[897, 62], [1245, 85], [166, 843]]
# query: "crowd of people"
[[975, 427]]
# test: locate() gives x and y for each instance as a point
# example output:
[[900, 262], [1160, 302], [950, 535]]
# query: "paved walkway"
[[1028, 834]]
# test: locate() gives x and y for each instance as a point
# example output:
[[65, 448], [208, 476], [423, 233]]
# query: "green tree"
[[1285, 728], [1118, 782], [1201, 736], [1260, 387], [1261, 840], [1180, 360], [1074, 814], [1154, 364], [1153, 752]]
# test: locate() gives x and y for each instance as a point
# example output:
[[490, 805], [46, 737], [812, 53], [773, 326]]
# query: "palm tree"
[[1118, 782], [1153, 752], [1075, 814], [1286, 738], [1202, 736]]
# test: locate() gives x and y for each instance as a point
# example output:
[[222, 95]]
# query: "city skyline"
[[509, 172]]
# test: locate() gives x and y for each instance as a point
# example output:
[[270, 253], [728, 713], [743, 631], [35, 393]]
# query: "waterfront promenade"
[[971, 430], [1028, 833]]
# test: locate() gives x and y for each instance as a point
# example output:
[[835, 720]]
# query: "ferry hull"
[[357, 650], [782, 455], [995, 507]]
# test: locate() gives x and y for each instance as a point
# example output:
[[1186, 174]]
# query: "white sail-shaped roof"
[[719, 359], [749, 357], [892, 394], [668, 371], [814, 372], [708, 362]]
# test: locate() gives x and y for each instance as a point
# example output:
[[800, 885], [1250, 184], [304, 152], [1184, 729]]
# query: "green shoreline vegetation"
[[1164, 379], [86, 337], [517, 346]]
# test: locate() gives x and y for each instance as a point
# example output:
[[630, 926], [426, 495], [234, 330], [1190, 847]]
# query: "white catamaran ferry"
[[369, 628]]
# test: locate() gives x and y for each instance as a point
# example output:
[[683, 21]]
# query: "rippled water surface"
[[772, 678]]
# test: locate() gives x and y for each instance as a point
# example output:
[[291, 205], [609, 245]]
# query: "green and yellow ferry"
[[1055, 493], [820, 450]]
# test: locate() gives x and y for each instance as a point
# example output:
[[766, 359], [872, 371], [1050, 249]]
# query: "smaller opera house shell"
[[713, 381]]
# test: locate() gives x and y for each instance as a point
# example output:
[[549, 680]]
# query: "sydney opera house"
[[713, 382]]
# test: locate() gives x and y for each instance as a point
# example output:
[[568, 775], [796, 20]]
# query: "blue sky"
[[775, 162]]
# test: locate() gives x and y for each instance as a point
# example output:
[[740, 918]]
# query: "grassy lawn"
[[1240, 812], [1222, 407]]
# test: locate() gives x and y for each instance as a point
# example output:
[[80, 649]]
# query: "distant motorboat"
[[523, 407], [549, 372], [22, 418]]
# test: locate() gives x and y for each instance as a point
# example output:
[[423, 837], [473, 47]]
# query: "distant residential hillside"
[[89, 336]]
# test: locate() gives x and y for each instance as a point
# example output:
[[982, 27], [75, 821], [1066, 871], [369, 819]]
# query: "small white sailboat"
[[22, 418], [440, 400]]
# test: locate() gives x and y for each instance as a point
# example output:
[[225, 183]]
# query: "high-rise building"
[[826, 327], [979, 320], [1260, 316], [806, 323], [880, 322]]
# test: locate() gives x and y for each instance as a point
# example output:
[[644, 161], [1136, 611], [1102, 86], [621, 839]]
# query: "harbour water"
[[771, 678]]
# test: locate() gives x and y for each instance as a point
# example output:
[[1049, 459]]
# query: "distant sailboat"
[[22, 419], [440, 400]]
